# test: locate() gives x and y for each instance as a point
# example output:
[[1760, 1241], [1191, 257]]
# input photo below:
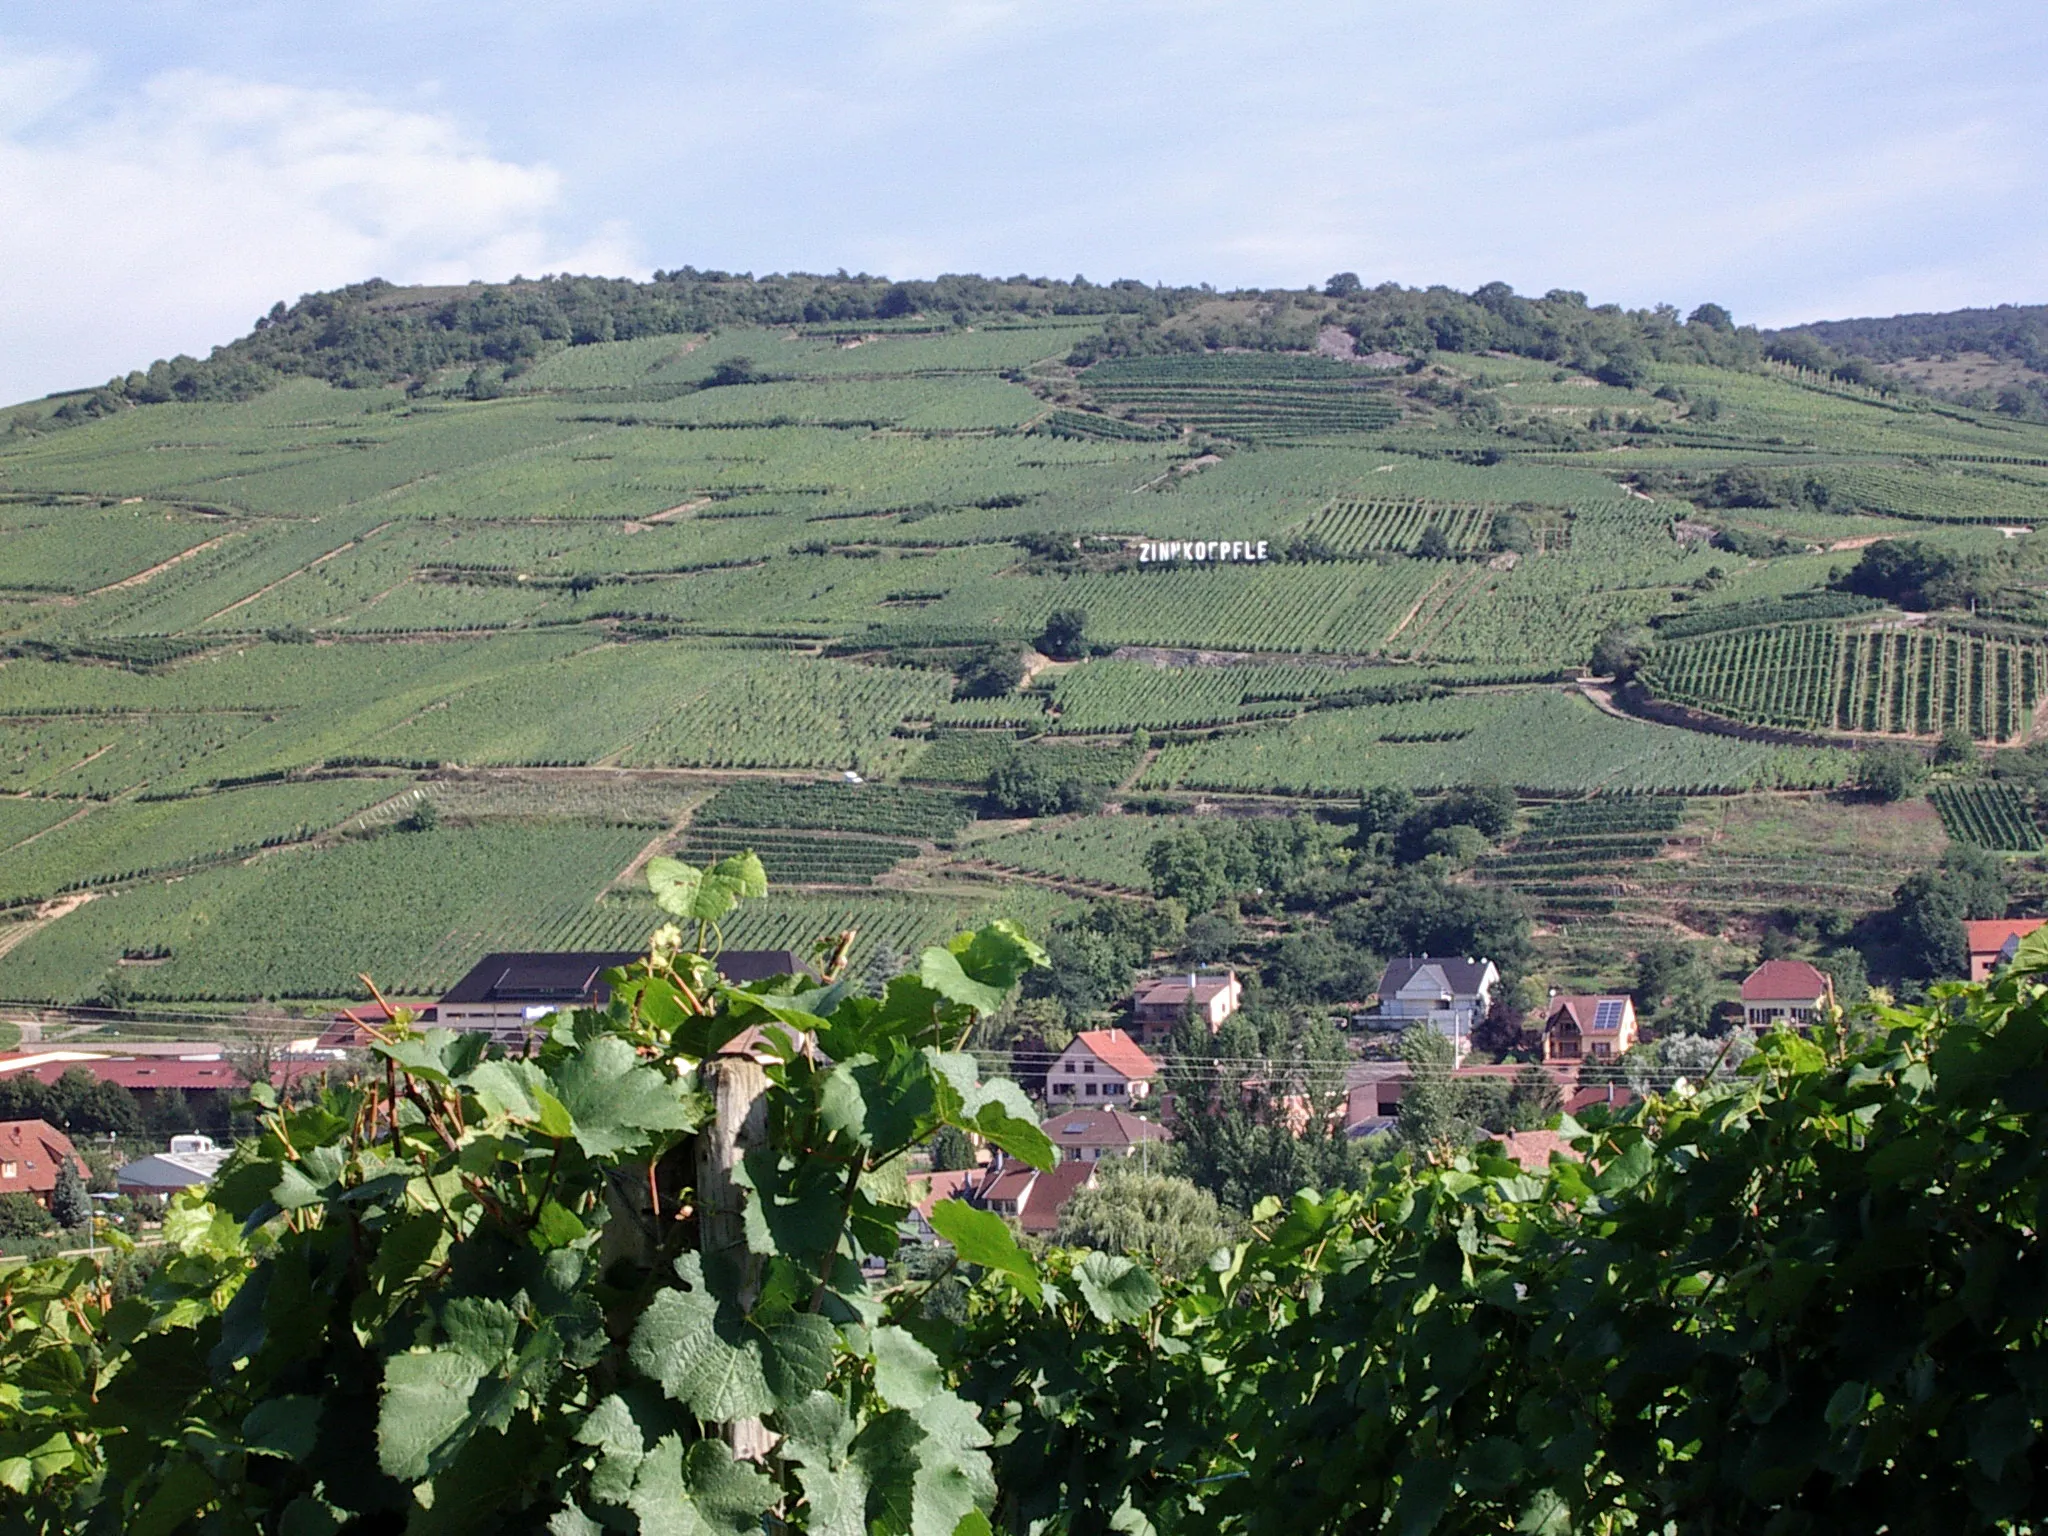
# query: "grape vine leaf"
[[698, 1491], [982, 1237], [705, 895], [617, 1105], [1115, 1288], [723, 1364]]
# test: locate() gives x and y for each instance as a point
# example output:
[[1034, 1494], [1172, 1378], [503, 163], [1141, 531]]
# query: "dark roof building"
[[506, 992], [1466, 977]]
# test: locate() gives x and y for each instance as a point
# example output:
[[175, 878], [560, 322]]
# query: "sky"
[[168, 171]]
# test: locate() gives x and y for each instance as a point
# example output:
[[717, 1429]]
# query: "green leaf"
[[1546, 1514], [998, 954], [1626, 1171], [310, 1515], [185, 1490], [722, 1364], [556, 1226], [1425, 1493], [906, 1373], [941, 970], [1115, 1288], [982, 1237], [1022, 1139], [617, 1104], [701, 1491], [283, 1426], [705, 895], [2003, 1429], [425, 1409]]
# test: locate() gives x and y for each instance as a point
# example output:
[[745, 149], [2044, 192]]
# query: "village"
[[126, 1126]]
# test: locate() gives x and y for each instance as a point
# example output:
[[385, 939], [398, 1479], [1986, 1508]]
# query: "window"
[[8, 1170], [1090, 1090], [1089, 1068], [1112, 1089]]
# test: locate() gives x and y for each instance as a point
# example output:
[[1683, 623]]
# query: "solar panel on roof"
[[1074, 1129], [1607, 1013]]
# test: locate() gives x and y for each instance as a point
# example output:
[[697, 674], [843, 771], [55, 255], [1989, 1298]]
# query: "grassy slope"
[[589, 590]]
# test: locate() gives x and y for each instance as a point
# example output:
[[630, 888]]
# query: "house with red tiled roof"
[[1785, 994], [31, 1153], [1101, 1065], [1589, 1028], [1016, 1191], [1994, 942]]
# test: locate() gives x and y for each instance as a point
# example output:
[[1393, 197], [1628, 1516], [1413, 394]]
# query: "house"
[[1450, 993], [190, 1163], [1101, 1064], [1779, 993], [1086, 1134], [1588, 1028], [1032, 1199], [31, 1154], [505, 994], [1158, 1005], [1994, 943]]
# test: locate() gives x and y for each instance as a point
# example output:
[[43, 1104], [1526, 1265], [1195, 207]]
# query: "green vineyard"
[[800, 858], [1992, 816], [1351, 527], [1892, 680], [892, 810], [1260, 397]]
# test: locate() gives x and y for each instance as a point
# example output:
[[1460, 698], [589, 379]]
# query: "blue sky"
[[169, 170]]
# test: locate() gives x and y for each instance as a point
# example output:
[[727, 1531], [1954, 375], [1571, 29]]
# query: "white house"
[[1450, 993], [1102, 1065]]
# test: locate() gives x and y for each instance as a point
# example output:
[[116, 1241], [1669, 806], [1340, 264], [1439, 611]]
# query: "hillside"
[[407, 626]]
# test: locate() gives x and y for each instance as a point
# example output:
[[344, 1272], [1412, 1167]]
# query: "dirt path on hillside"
[[314, 564], [1409, 617], [681, 509], [54, 826], [142, 577], [17, 933]]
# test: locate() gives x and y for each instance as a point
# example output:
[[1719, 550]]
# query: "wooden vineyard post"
[[739, 1123]]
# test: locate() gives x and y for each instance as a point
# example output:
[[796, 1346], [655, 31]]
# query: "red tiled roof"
[[1007, 1181], [1988, 937], [35, 1149], [1050, 1194], [928, 1189], [1118, 1051], [1101, 1127], [1607, 1095], [144, 1072], [1783, 981]]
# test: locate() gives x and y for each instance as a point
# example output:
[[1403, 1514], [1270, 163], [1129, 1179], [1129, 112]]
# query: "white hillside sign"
[[1153, 552]]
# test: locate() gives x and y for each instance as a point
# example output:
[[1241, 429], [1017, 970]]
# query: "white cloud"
[[163, 219]]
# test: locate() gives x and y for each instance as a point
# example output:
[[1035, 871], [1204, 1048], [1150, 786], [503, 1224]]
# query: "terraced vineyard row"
[[1258, 397], [1994, 816], [1574, 854], [800, 858], [1360, 526], [889, 809], [1827, 677]]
